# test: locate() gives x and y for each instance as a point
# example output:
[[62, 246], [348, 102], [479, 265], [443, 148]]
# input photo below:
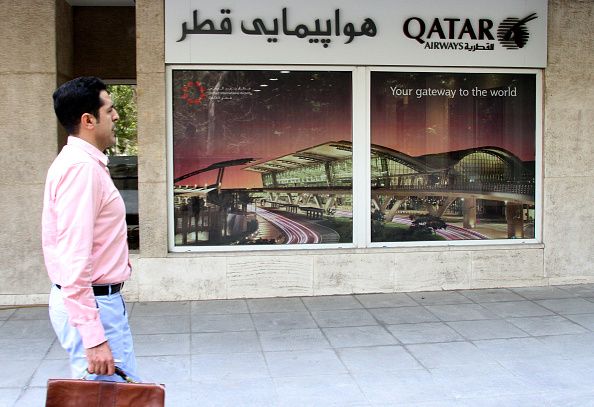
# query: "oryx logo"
[[512, 33]]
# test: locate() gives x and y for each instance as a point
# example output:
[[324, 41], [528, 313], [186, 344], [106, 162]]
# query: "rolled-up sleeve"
[[77, 203]]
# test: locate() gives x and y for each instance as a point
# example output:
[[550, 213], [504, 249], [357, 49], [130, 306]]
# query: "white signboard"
[[477, 33]]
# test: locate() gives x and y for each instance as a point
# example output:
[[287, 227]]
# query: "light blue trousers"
[[114, 317]]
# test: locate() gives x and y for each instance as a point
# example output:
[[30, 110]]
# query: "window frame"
[[538, 162], [170, 204], [361, 156]]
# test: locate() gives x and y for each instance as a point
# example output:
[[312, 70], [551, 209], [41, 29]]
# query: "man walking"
[[84, 236]]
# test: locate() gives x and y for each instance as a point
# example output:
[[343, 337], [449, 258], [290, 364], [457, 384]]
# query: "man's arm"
[[77, 203]]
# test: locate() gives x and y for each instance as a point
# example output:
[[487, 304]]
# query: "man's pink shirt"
[[83, 233]]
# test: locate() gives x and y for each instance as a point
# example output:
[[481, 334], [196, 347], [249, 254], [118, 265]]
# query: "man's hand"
[[100, 360]]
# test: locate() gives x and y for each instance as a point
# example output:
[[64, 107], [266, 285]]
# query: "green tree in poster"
[[426, 225], [124, 101]]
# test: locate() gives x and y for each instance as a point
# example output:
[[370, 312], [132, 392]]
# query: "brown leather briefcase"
[[101, 393]]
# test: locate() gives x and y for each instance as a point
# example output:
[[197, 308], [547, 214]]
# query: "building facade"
[[45, 44]]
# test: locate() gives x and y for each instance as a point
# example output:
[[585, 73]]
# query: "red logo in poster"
[[193, 93]]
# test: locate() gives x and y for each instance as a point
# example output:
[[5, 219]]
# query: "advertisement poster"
[[262, 157], [452, 156]]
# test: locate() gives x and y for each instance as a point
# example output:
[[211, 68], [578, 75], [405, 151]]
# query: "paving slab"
[[427, 332], [321, 390], [388, 300], [224, 342], [221, 322], [276, 305], [27, 329], [515, 349], [344, 318], [31, 397], [24, 349], [304, 363], [359, 336], [375, 359], [403, 315], [460, 312], [283, 320], [160, 308], [293, 339], [568, 305], [547, 325], [219, 307], [168, 324], [5, 313], [228, 366], [162, 344], [448, 354], [491, 295], [331, 302], [439, 297], [9, 396], [585, 320], [542, 293], [408, 386], [487, 329], [28, 313], [517, 309]]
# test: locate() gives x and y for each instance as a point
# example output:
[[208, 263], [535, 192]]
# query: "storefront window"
[[261, 157], [452, 156], [265, 157]]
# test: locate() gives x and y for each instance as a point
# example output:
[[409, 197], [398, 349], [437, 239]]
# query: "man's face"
[[105, 126]]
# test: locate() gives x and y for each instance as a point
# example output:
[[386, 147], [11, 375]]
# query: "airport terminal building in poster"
[[320, 147]]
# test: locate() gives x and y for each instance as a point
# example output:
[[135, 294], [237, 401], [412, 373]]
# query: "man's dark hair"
[[75, 98]]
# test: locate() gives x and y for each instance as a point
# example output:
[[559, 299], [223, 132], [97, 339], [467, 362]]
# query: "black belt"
[[99, 290]]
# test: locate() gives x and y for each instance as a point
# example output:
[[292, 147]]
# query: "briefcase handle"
[[118, 371], [124, 376]]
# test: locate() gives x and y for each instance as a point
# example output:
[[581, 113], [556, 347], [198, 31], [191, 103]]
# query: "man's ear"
[[87, 121]]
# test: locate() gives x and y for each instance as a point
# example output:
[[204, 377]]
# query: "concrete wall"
[[29, 72], [28, 142], [569, 143]]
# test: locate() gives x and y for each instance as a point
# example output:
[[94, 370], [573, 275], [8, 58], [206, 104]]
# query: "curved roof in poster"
[[340, 150], [447, 160], [322, 153]]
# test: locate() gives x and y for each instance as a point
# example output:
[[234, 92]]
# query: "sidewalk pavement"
[[492, 347]]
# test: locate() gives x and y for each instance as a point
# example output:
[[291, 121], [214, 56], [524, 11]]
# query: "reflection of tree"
[[377, 223], [423, 227], [427, 224], [196, 204], [212, 104], [377, 215], [218, 223], [124, 101], [244, 199], [205, 120]]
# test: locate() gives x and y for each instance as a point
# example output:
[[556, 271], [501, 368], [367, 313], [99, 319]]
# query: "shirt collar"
[[88, 148]]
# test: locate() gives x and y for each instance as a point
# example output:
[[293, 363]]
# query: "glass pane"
[[452, 156], [124, 101], [262, 157], [123, 156]]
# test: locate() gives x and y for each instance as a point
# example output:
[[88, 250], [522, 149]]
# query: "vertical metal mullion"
[[539, 159], [169, 146], [361, 148]]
